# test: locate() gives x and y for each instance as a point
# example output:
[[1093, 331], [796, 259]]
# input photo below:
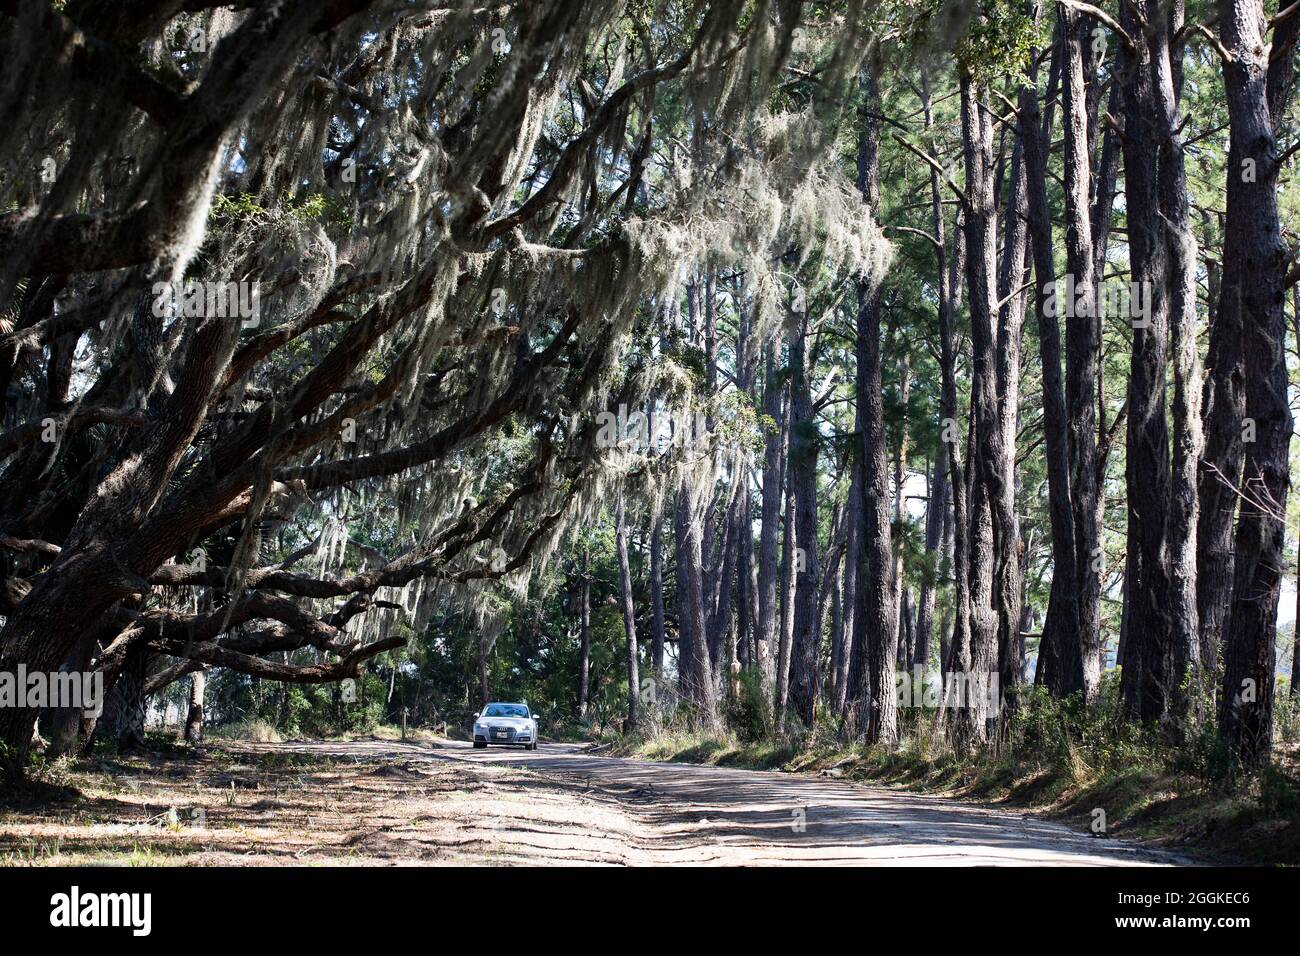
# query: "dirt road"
[[610, 809], [387, 802]]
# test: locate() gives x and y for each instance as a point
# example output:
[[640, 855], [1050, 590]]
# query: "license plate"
[[501, 734]]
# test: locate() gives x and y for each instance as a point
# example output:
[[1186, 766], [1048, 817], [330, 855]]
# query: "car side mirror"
[[476, 715]]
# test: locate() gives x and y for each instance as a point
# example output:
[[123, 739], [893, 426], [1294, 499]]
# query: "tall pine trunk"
[[840, 660], [629, 617], [1253, 286], [1082, 352], [698, 678], [770, 517], [1011, 318], [806, 641], [935, 509], [991, 547], [1149, 676], [584, 630], [658, 626], [1181, 263], [1060, 656], [873, 703], [789, 578]]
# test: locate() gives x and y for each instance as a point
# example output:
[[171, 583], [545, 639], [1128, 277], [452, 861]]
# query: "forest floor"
[[378, 801]]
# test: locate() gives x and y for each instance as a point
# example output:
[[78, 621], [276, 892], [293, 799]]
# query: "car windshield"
[[506, 710]]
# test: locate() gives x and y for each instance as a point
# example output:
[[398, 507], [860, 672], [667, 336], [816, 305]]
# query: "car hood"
[[518, 723]]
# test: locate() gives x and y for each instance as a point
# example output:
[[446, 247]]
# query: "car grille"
[[501, 733]]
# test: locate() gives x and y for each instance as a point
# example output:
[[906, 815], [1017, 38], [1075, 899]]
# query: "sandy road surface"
[[375, 802], [580, 806]]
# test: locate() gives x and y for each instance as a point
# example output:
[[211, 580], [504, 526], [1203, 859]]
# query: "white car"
[[512, 724]]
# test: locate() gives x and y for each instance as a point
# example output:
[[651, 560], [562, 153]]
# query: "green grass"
[[723, 752]]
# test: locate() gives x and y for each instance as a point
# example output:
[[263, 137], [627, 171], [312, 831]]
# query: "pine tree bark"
[[1012, 301], [935, 508], [770, 518], [629, 618], [681, 572], [1149, 679], [658, 627], [789, 564], [805, 647], [873, 703], [745, 607], [851, 577], [1060, 657], [1254, 279], [1181, 260], [743, 534], [830, 577], [906, 630], [584, 631], [1082, 349], [723, 605], [990, 546], [698, 678], [1295, 640], [1295, 631], [900, 476], [955, 651]]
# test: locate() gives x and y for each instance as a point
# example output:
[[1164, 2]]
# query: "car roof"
[[505, 703]]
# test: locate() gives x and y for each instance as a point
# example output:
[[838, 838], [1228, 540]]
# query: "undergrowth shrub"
[[1286, 715], [254, 730], [749, 713], [1279, 792]]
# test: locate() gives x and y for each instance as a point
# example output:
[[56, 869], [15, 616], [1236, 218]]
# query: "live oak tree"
[[452, 223]]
